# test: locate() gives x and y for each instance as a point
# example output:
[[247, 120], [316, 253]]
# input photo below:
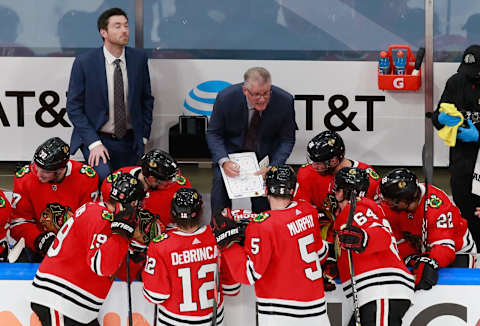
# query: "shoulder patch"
[[180, 179], [88, 171], [2, 202], [107, 215], [113, 176], [24, 170], [373, 174], [305, 165], [261, 217], [160, 237], [434, 201]]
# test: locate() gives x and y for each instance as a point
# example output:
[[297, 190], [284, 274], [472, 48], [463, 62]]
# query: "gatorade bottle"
[[384, 63], [399, 63]]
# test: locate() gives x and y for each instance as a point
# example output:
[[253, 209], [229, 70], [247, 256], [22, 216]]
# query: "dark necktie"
[[120, 114], [250, 144]]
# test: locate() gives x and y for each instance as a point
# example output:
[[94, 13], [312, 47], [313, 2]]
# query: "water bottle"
[[384, 63], [399, 63]]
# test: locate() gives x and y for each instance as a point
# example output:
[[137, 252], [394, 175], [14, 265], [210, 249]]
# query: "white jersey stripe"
[[166, 317], [154, 297]]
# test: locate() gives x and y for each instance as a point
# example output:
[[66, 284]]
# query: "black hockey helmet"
[[126, 189], [352, 179], [52, 155], [281, 181], [160, 164], [400, 184], [186, 204], [325, 146]]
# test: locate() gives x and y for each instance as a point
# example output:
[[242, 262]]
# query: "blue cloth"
[[468, 134], [228, 127], [87, 98], [448, 120]]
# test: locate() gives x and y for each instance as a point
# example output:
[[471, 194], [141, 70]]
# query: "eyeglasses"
[[259, 95]]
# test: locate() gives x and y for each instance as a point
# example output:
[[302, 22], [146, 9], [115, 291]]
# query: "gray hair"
[[258, 74]]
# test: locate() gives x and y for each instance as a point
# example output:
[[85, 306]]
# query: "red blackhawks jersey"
[[379, 271], [314, 187], [5, 212], [442, 234], [179, 277], [31, 197], [75, 276], [156, 201], [282, 254]]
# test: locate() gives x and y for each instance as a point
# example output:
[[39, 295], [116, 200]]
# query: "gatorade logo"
[[398, 83]]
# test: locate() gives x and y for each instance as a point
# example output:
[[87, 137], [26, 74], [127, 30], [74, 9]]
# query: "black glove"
[[425, 272], [330, 272], [137, 252], [411, 260], [225, 229], [353, 238], [124, 222], [43, 241]]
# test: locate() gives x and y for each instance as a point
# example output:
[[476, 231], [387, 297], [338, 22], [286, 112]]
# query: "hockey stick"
[[129, 290], [356, 307], [16, 251], [155, 315], [216, 289], [428, 173]]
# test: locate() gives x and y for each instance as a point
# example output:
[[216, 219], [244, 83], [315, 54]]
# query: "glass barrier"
[[248, 29]]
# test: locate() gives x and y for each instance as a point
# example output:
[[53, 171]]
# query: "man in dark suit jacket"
[[228, 131], [108, 140]]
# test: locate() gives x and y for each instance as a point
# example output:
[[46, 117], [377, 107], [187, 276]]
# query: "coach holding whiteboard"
[[109, 99], [253, 116]]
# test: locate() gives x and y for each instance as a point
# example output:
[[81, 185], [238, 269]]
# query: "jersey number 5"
[[309, 257]]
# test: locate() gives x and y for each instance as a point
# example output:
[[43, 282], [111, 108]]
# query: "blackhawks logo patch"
[[160, 237], [113, 176], [434, 201], [88, 171], [20, 173], [107, 215], [373, 174], [261, 217], [180, 179]]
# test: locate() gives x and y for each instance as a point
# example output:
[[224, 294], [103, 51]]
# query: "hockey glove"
[[53, 217], [411, 260], [469, 134], [225, 229], [330, 272], [425, 272], [124, 222], [448, 120], [43, 241], [353, 238]]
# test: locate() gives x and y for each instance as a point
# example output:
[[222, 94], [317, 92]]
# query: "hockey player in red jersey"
[[46, 192], [326, 154], [160, 177], [429, 236], [382, 285], [5, 212], [75, 277], [281, 244], [181, 273]]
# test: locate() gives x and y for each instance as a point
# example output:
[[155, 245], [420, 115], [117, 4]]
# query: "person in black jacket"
[[463, 90]]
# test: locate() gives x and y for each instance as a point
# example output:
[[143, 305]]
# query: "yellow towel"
[[447, 133]]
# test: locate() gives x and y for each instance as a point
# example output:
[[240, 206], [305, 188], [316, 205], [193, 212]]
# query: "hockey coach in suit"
[[109, 99], [250, 116]]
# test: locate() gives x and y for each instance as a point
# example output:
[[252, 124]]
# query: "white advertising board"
[[379, 127]]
